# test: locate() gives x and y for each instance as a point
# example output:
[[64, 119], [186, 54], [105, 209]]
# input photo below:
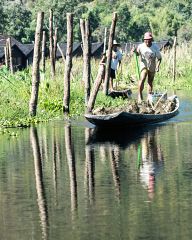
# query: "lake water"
[[64, 180]]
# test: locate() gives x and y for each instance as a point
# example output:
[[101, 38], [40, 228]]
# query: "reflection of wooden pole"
[[109, 54], [114, 158], [174, 59], [54, 164], [68, 63], [36, 60], [103, 154], [41, 200], [89, 168], [72, 168]]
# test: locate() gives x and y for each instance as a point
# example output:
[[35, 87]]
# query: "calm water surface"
[[70, 181]]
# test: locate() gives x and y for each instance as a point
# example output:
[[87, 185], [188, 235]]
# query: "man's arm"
[[158, 65]]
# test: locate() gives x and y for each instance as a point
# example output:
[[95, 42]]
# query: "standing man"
[[115, 62], [150, 59]]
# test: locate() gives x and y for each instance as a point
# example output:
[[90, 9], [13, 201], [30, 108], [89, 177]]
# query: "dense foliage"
[[164, 18]]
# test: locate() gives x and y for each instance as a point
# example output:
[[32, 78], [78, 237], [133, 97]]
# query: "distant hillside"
[[164, 18]]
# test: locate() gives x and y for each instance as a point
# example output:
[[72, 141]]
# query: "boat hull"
[[130, 119]]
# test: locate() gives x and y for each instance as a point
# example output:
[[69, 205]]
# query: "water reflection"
[[114, 160], [122, 136], [150, 160], [144, 140], [89, 168], [72, 169], [103, 183], [41, 199], [55, 167]]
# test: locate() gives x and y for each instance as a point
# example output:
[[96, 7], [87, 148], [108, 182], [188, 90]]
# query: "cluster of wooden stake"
[[39, 55]]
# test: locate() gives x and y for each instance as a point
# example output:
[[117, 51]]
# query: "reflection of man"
[[151, 156]]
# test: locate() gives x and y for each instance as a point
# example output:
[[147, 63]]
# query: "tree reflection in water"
[[41, 199], [89, 168], [72, 170], [114, 160]]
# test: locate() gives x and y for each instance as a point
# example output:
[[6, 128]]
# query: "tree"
[[18, 19]]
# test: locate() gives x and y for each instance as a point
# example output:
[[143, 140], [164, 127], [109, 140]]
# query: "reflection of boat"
[[129, 119], [119, 136]]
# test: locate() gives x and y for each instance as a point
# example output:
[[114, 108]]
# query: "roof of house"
[[24, 48], [96, 46], [28, 48], [63, 47]]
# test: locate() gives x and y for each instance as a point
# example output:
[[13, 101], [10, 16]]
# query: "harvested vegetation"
[[163, 106]]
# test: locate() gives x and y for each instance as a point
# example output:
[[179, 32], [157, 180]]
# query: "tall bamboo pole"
[[95, 88], [6, 56], [10, 55], [36, 60], [62, 54], [174, 58], [105, 41], [68, 63], [51, 52], [43, 51], [85, 32], [55, 44], [109, 54]]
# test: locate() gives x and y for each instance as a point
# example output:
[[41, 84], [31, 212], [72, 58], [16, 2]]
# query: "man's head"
[[115, 44], [148, 38]]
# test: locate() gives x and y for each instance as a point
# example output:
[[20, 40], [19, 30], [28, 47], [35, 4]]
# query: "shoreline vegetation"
[[16, 89]]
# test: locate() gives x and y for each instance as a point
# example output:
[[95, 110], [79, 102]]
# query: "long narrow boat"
[[127, 119]]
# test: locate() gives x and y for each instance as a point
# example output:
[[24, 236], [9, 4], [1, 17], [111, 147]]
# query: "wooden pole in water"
[[51, 52], [43, 52], [36, 60], [174, 58], [68, 63], [85, 32], [109, 54]]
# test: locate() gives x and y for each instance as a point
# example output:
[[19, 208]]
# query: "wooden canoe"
[[131, 119]]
